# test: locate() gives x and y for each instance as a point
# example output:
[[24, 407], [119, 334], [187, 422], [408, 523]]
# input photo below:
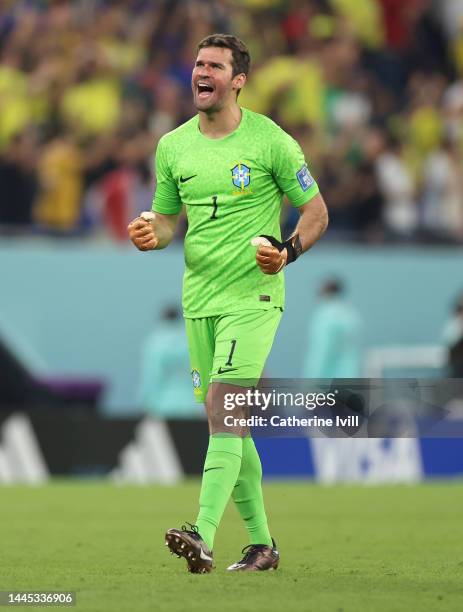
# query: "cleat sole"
[[185, 548]]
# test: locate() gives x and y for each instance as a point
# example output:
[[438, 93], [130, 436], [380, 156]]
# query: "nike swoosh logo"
[[187, 178], [224, 371], [203, 555], [209, 469]]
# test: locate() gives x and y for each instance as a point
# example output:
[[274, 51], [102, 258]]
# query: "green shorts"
[[230, 348]]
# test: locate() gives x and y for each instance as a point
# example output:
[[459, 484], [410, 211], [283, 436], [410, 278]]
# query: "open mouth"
[[204, 90]]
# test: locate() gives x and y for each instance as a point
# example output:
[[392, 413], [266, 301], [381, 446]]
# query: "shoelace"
[[193, 528], [253, 549]]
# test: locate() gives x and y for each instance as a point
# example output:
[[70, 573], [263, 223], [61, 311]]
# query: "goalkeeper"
[[230, 168]]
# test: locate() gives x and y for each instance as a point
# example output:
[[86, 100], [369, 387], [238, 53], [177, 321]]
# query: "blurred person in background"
[[400, 211], [452, 337], [442, 196], [18, 182], [165, 387], [58, 206], [334, 336]]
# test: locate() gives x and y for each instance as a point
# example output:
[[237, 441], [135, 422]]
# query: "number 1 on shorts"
[[233, 344]]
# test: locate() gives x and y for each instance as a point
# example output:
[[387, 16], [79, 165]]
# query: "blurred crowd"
[[371, 89]]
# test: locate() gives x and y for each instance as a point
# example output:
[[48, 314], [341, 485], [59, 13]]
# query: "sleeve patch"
[[304, 177]]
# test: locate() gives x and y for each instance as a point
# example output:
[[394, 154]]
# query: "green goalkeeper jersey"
[[232, 189]]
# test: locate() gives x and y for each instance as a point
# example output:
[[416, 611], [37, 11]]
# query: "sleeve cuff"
[[303, 198], [166, 210]]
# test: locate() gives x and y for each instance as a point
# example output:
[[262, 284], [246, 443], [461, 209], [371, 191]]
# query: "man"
[[335, 336], [165, 390], [452, 337], [230, 168]]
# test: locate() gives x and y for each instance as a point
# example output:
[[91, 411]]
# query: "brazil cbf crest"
[[196, 379], [241, 176]]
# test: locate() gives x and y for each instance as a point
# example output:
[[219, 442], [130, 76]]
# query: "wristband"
[[293, 250]]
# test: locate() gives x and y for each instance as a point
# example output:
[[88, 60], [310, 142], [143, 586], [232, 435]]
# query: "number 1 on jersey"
[[214, 204]]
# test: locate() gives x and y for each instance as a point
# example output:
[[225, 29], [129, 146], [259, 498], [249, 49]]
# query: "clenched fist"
[[142, 233], [268, 257]]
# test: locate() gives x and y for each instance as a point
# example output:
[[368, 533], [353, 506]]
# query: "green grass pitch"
[[343, 548]]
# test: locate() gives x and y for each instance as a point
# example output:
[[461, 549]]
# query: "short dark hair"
[[332, 286], [241, 61]]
